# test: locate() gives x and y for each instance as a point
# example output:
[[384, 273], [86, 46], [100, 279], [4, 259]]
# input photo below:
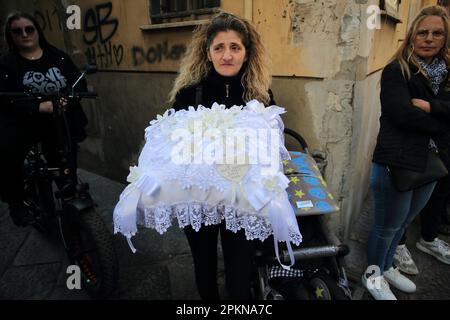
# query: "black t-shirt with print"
[[52, 72], [41, 76]]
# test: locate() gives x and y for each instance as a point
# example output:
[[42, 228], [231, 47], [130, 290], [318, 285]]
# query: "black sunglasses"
[[20, 31]]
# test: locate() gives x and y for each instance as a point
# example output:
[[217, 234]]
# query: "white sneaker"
[[399, 281], [437, 248], [403, 260], [377, 287]]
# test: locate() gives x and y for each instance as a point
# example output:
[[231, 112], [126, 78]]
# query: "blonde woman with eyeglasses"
[[415, 116]]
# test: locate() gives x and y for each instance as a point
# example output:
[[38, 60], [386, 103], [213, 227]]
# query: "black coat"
[[405, 130], [214, 88]]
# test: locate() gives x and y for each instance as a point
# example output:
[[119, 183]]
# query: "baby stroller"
[[318, 273]]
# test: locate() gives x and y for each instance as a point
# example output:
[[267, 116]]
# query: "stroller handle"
[[297, 136], [307, 253], [318, 252]]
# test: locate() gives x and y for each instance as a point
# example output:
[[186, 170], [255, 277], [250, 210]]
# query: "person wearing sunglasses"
[[31, 65]]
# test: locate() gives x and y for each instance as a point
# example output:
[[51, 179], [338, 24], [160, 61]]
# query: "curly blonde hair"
[[405, 54], [195, 66]]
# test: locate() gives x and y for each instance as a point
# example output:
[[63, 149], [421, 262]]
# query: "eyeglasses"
[[437, 34], [20, 31]]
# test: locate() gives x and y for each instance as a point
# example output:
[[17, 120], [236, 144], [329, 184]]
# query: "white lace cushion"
[[198, 194]]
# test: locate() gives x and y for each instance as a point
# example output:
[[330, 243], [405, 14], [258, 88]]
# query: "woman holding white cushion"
[[224, 70]]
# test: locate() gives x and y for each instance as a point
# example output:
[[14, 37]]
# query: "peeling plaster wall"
[[313, 36], [365, 124], [314, 27], [337, 112], [327, 33], [332, 122], [365, 129]]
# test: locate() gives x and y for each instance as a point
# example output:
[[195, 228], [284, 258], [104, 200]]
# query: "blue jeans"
[[394, 210]]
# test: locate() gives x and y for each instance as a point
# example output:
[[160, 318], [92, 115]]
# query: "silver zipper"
[[227, 88]]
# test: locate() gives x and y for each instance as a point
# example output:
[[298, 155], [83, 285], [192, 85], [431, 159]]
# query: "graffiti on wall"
[[96, 22], [99, 28], [49, 19], [157, 53], [99, 36], [105, 55]]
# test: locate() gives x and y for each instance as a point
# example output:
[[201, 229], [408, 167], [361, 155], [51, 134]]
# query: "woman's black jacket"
[[405, 130], [213, 88]]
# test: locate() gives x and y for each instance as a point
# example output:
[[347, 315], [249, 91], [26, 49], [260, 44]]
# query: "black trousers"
[[17, 136], [238, 255]]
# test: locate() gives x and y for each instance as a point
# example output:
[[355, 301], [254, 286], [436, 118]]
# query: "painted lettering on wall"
[[99, 27], [105, 55], [49, 19], [52, 19], [157, 53]]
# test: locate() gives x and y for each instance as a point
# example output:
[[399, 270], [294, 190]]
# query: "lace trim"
[[118, 229], [196, 214]]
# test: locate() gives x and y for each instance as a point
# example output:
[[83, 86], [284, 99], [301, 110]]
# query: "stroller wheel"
[[324, 287]]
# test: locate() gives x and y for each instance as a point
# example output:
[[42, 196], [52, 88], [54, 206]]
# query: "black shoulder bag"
[[405, 180]]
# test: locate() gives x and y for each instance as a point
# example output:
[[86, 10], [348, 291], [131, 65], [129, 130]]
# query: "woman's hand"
[[422, 104], [63, 102], [46, 107]]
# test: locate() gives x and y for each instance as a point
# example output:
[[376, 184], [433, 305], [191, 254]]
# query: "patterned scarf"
[[436, 71]]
